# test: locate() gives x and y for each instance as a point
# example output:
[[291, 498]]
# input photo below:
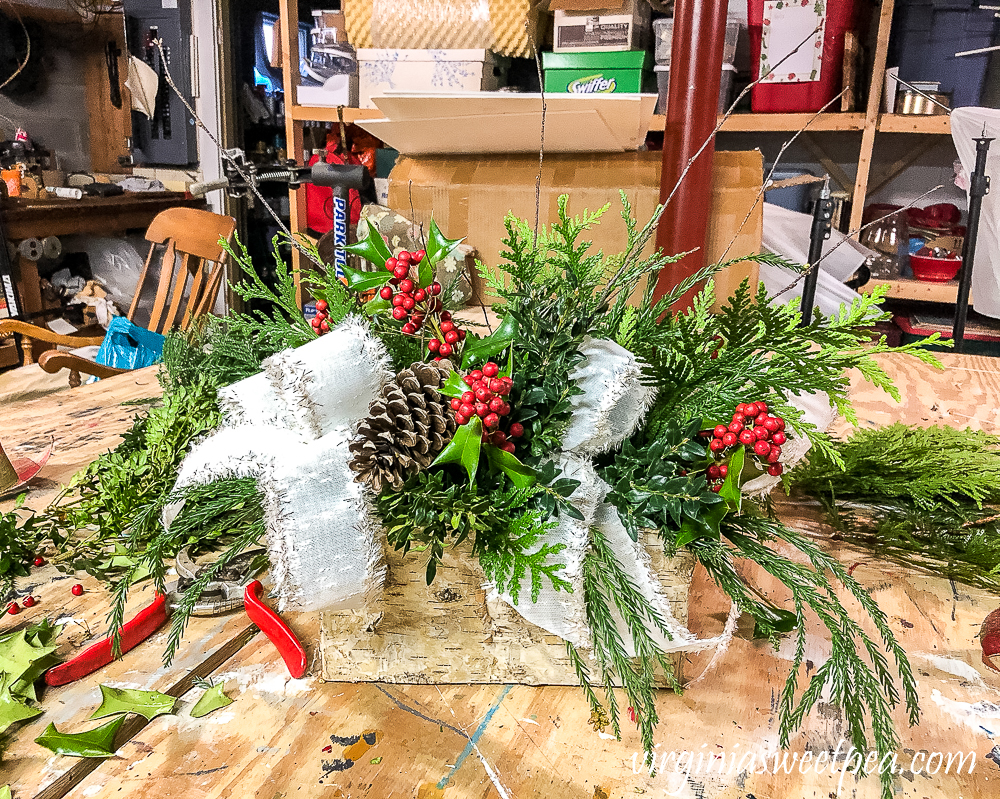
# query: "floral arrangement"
[[462, 446]]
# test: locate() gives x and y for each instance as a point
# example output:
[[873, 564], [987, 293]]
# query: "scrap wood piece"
[[989, 638]]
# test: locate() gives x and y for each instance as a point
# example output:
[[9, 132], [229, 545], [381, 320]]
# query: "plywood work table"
[[305, 738]]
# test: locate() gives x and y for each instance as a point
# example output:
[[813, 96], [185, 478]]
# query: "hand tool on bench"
[[218, 598]]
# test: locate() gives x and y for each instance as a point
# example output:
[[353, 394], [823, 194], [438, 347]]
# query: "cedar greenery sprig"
[[20, 535]]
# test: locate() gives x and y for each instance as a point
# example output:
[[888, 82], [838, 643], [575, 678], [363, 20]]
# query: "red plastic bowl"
[[935, 270]]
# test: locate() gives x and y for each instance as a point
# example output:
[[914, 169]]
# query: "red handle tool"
[[279, 633], [146, 622]]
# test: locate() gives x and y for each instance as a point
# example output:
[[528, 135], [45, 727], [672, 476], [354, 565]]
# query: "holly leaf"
[[372, 248], [98, 742], [364, 281], [454, 386], [148, 704], [12, 710], [464, 448], [425, 273], [730, 490], [480, 349], [706, 525], [375, 306], [438, 247], [212, 699], [520, 475], [5, 792]]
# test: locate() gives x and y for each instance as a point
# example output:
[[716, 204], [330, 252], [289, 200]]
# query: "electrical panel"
[[169, 135]]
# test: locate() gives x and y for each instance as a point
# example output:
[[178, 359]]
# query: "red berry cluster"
[[417, 307], [29, 601], [321, 321], [485, 399], [754, 428]]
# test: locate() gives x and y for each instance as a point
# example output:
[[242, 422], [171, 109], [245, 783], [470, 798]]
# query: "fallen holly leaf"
[[98, 742], [148, 704], [13, 710], [212, 699], [375, 761], [5, 792], [989, 638]]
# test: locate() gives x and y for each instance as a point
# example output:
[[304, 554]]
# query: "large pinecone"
[[406, 428]]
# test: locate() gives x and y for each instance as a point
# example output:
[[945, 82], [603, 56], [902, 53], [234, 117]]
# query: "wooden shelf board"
[[912, 123], [306, 113], [910, 289], [763, 123]]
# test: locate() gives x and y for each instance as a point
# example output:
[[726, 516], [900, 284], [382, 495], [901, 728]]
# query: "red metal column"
[[692, 101]]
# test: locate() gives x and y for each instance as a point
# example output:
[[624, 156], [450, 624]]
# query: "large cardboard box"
[[469, 196]]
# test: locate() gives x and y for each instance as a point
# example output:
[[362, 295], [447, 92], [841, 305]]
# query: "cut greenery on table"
[[466, 458]]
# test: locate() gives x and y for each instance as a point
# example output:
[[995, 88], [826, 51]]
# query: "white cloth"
[[968, 124]]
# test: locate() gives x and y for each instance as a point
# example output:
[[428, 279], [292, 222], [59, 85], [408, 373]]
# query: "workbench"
[[306, 738]]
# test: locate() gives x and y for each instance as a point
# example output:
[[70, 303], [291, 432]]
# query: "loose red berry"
[[406, 285], [398, 314], [747, 437], [321, 305], [716, 445], [77, 590], [460, 419], [774, 455], [39, 561], [418, 256], [444, 350], [729, 439], [762, 448], [482, 409], [385, 292], [723, 469], [761, 433], [491, 420], [778, 438], [736, 427], [433, 345], [775, 469], [509, 447], [435, 288], [451, 336], [720, 430], [467, 409], [491, 370], [713, 472], [498, 438], [484, 394], [28, 601], [13, 608], [455, 403], [400, 272], [516, 430]]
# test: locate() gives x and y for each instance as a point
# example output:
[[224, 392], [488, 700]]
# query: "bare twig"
[[27, 50]]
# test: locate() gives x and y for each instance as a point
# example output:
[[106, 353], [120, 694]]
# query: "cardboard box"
[[616, 25], [597, 73], [469, 196], [435, 71]]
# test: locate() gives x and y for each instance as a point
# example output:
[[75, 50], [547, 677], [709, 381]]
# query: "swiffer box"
[[470, 195], [598, 73], [621, 25]]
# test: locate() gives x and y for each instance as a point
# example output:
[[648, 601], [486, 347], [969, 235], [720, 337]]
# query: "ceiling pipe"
[[692, 102]]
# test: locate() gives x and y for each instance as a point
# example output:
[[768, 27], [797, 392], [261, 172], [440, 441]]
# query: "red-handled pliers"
[[219, 597]]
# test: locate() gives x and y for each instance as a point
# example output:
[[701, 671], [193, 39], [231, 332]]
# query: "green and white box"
[[597, 72]]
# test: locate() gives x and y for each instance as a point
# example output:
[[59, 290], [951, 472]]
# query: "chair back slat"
[[138, 286], [180, 284], [197, 289], [167, 266]]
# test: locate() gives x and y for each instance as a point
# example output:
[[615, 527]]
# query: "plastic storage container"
[[841, 16], [926, 34], [663, 39], [663, 87], [794, 198]]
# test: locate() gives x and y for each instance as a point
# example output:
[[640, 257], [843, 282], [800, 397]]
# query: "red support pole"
[[692, 102]]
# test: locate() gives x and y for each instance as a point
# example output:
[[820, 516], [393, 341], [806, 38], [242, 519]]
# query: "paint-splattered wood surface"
[[308, 738]]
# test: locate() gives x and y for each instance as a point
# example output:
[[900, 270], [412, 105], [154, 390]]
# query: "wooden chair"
[[192, 234]]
